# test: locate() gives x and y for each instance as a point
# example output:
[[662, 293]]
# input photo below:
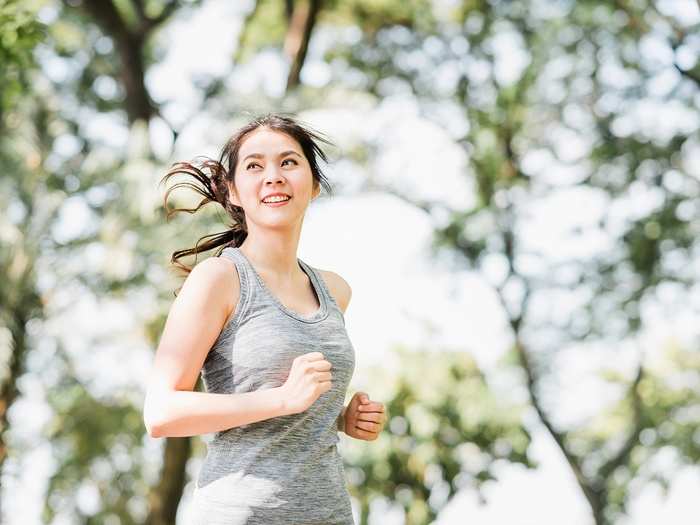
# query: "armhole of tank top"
[[327, 291], [243, 297]]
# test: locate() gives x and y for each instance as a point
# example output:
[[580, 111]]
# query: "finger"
[[364, 434], [372, 407], [370, 416], [373, 417], [368, 426]]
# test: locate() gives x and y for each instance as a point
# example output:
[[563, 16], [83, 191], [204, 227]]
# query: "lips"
[[275, 195], [276, 204]]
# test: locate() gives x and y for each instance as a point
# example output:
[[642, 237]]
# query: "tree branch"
[[129, 47], [105, 13], [688, 74], [633, 438], [244, 32], [296, 42], [140, 10], [509, 240], [148, 24]]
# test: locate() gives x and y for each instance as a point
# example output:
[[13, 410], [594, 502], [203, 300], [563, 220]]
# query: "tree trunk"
[[296, 42], [15, 366], [164, 498]]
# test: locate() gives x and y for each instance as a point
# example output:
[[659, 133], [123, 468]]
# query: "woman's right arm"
[[196, 317]]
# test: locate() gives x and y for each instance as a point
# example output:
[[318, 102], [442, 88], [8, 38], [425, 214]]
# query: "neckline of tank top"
[[316, 317]]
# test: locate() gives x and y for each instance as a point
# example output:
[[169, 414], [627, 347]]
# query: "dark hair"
[[211, 179]]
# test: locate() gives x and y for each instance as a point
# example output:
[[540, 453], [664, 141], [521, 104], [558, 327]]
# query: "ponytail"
[[209, 179]]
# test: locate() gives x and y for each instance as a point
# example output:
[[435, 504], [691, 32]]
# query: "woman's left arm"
[[361, 418]]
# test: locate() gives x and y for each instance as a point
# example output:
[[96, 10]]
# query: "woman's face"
[[272, 162]]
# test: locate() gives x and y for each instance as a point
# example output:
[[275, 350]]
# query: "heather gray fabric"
[[287, 469]]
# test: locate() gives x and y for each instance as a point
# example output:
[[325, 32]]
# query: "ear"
[[233, 196], [316, 191]]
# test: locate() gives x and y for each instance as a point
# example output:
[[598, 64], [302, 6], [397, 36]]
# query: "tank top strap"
[[245, 275], [320, 282]]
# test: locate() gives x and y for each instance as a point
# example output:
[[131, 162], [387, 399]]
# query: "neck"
[[273, 256]]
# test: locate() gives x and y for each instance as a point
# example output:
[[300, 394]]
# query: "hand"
[[364, 419], [309, 377]]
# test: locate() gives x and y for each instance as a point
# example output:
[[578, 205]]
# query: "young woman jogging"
[[267, 333]]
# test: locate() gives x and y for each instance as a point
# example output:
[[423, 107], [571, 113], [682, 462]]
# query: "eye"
[[294, 161], [252, 164]]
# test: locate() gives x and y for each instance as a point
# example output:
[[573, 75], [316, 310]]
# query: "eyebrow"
[[283, 154]]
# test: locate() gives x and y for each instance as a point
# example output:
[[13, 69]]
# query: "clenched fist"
[[364, 419], [309, 377]]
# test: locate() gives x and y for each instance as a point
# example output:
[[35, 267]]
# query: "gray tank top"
[[286, 469]]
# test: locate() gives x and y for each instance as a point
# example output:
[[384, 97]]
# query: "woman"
[[267, 332]]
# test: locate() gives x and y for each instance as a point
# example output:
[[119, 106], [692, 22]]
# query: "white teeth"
[[277, 199]]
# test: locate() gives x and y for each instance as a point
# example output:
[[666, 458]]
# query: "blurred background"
[[516, 206]]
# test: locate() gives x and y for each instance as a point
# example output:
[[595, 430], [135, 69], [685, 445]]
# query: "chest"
[[266, 345]]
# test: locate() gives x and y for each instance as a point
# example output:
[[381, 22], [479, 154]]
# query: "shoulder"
[[216, 280], [338, 287], [212, 270]]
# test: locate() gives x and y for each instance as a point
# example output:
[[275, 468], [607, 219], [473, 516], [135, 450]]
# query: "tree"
[[447, 431], [116, 36], [19, 298], [129, 25], [579, 72]]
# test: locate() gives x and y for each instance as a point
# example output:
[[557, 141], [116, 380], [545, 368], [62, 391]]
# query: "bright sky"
[[379, 245]]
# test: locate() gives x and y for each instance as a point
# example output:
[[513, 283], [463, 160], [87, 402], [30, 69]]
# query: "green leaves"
[[446, 429], [20, 32]]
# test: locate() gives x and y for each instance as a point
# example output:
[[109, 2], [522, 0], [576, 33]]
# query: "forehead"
[[264, 140]]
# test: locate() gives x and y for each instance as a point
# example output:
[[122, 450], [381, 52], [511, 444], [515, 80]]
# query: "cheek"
[[302, 183], [247, 191]]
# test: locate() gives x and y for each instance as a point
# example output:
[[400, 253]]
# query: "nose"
[[272, 175]]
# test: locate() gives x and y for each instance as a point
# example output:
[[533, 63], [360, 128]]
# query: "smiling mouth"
[[277, 203]]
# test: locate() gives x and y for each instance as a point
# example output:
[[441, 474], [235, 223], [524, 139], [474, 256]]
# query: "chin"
[[286, 222]]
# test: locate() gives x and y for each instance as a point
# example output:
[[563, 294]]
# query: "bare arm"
[[341, 291], [187, 413], [196, 317]]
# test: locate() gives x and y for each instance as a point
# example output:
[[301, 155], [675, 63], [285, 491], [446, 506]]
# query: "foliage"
[[562, 101], [99, 445], [566, 109], [19, 34], [446, 431]]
